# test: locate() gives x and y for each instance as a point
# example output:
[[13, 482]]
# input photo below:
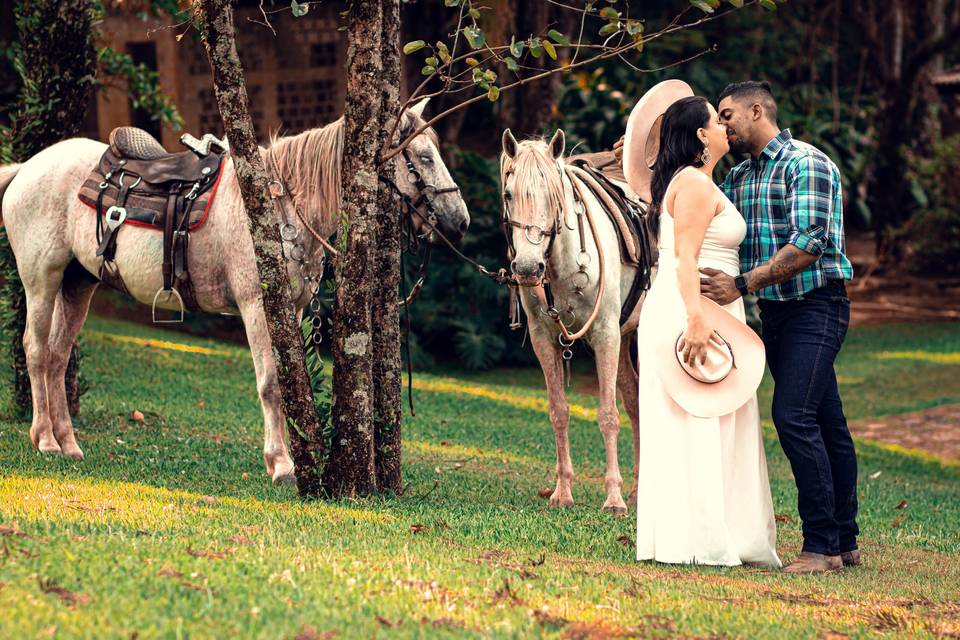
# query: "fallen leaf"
[[12, 530], [137, 415], [169, 572], [241, 540], [418, 528], [383, 622], [875, 475], [783, 518], [309, 633], [444, 443], [545, 492], [50, 631], [210, 553], [626, 541], [833, 635], [899, 520], [244, 475], [506, 593], [209, 500], [901, 505], [49, 585], [200, 405]]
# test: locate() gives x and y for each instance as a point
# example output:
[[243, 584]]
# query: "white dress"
[[703, 492]]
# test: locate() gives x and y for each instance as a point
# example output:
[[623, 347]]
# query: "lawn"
[[170, 527]]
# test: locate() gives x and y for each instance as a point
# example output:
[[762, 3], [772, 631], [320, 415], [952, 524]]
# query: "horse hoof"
[[48, 444], [558, 502], [617, 510], [285, 477], [74, 452]]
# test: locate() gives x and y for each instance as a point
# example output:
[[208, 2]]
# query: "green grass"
[[171, 529]]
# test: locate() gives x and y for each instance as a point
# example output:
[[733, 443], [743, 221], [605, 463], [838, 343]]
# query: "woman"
[[703, 492]]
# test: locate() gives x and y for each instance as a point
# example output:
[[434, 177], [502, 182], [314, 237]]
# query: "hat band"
[[719, 363]]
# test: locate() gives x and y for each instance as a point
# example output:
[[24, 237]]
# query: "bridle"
[[541, 233]]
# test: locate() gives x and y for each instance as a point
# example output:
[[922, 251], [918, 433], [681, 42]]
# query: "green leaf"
[[443, 52], [493, 93], [703, 6], [433, 62], [610, 27], [536, 50], [413, 47], [516, 48], [737, 3], [609, 13], [472, 62], [474, 36], [428, 70], [558, 37], [474, 13], [548, 47], [511, 63], [769, 5], [299, 9], [451, 3], [634, 27], [490, 76]]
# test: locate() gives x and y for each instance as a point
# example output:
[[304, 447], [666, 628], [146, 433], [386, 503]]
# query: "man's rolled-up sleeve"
[[809, 200]]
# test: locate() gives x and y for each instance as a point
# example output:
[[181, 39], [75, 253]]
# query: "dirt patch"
[[933, 430]]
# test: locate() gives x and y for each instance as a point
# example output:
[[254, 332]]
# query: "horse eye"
[[507, 196], [426, 159]]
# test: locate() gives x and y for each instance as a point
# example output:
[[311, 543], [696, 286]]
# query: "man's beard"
[[739, 145]]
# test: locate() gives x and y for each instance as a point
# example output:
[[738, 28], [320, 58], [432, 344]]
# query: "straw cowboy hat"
[[729, 377], [642, 140]]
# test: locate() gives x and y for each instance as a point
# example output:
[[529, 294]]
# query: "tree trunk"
[[351, 469], [387, 386], [306, 438], [59, 67]]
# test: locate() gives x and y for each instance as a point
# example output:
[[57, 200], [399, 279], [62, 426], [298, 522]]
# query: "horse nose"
[[541, 268], [463, 227]]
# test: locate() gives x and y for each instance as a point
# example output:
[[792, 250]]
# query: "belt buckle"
[[114, 221]]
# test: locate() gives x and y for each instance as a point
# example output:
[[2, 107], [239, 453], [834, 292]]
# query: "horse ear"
[[509, 144], [557, 144], [418, 107]]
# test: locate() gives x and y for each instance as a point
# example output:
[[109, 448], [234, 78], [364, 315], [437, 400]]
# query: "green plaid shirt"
[[791, 195]]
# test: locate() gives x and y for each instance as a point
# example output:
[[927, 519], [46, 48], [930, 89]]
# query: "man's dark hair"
[[757, 92]]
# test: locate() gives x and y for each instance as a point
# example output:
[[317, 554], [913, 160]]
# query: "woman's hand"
[[695, 340]]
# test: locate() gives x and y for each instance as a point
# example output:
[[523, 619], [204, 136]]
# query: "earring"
[[705, 156]]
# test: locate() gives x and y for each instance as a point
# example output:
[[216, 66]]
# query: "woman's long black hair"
[[679, 147]]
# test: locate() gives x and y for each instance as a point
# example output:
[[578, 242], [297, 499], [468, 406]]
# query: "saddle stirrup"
[[170, 293]]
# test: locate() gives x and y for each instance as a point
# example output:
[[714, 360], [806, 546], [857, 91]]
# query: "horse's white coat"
[[533, 167], [49, 228]]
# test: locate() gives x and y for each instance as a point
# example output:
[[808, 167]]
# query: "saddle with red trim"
[[138, 182]]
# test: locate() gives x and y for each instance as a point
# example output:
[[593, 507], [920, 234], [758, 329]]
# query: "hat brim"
[[637, 145], [709, 400]]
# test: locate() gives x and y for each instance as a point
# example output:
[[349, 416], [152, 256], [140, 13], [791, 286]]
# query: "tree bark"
[[351, 468], [387, 385], [59, 69], [303, 425]]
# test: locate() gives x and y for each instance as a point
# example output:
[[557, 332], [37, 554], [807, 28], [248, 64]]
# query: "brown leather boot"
[[851, 558], [808, 562]]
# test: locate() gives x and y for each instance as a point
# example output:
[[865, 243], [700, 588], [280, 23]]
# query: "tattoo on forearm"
[[788, 262]]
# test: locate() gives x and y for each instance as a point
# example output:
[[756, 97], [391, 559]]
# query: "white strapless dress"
[[703, 492]]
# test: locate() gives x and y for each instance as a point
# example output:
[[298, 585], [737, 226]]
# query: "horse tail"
[[7, 174]]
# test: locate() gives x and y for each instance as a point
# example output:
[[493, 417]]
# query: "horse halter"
[[425, 191], [540, 232]]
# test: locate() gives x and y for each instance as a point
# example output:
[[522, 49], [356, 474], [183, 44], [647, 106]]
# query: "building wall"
[[295, 79]]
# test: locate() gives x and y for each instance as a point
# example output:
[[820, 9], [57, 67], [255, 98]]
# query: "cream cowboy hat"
[[642, 140], [729, 377]]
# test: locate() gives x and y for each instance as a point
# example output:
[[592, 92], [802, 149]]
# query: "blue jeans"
[[803, 338]]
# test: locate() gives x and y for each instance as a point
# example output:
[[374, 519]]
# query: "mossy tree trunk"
[[57, 63], [387, 386], [303, 425], [351, 468]]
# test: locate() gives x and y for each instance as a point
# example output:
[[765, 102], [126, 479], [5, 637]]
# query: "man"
[[793, 260]]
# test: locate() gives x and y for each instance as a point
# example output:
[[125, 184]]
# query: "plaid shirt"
[[791, 195]]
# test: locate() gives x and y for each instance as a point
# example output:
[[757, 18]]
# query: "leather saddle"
[[603, 175], [138, 182]]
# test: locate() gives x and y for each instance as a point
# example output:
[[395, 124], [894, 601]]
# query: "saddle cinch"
[[137, 182]]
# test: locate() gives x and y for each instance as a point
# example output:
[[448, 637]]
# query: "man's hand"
[[718, 287], [618, 149]]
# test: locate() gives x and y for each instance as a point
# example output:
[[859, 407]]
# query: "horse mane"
[[538, 173], [309, 165]]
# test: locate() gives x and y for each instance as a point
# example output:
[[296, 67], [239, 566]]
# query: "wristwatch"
[[740, 282]]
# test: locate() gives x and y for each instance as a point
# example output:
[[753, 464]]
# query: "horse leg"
[[275, 455], [41, 284], [607, 351], [628, 385], [69, 315], [548, 353]]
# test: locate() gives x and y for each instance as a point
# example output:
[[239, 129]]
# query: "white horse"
[[52, 234], [540, 197]]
